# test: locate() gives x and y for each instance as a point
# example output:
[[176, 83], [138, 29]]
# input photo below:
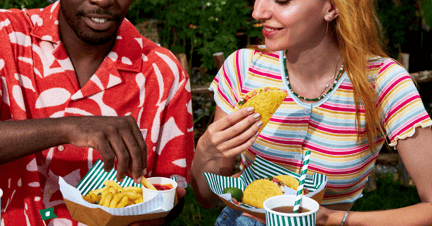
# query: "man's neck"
[[86, 58]]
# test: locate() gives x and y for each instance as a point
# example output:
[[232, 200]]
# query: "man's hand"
[[173, 214], [113, 137]]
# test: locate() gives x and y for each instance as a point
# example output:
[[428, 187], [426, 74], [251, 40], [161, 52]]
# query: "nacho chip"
[[265, 100]]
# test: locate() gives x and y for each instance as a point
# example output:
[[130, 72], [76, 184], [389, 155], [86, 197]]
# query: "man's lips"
[[99, 23]]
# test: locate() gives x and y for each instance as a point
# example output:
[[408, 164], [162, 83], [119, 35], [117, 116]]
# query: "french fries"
[[114, 196], [147, 184]]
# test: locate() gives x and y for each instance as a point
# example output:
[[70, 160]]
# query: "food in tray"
[[265, 100], [156, 187], [258, 191], [114, 196], [147, 184], [236, 194]]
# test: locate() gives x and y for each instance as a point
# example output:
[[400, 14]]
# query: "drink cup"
[[167, 195], [276, 218]]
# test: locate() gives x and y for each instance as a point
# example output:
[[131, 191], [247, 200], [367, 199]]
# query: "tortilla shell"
[[289, 181], [258, 191], [265, 100]]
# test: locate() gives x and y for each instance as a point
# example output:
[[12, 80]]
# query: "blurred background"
[[201, 33]]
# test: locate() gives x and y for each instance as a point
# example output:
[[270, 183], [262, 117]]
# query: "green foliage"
[[427, 12], [194, 214], [398, 21], [196, 27], [389, 195], [20, 4], [204, 26]]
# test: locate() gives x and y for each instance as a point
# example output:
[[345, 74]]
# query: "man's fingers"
[[180, 192], [138, 150], [135, 157], [122, 154], [107, 154]]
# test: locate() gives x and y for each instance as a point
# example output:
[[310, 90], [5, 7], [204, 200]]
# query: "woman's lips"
[[268, 32]]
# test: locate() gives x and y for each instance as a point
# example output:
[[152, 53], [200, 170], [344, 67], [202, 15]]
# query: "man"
[[78, 84]]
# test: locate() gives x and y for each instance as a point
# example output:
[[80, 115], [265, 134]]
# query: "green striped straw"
[[301, 182]]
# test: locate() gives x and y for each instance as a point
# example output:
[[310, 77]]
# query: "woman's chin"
[[272, 46]]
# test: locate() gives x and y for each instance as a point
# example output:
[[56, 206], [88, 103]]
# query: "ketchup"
[[162, 187]]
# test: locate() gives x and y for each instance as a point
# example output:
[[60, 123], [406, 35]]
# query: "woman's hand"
[[174, 213], [322, 215], [229, 135], [226, 137]]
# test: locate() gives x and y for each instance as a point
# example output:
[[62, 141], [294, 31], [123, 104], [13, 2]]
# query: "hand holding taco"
[[265, 100]]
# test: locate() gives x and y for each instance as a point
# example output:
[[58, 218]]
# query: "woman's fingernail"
[[259, 124], [257, 115], [250, 109], [257, 133]]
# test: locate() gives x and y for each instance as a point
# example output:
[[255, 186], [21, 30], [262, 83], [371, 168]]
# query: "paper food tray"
[[261, 169], [96, 215]]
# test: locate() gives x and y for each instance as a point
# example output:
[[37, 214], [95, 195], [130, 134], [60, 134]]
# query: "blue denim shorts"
[[230, 217]]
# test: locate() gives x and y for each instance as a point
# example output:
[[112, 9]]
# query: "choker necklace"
[[335, 81]]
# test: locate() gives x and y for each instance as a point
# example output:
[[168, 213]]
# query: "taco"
[[258, 191], [265, 100]]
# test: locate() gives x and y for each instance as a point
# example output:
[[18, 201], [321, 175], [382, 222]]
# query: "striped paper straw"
[[301, 182]]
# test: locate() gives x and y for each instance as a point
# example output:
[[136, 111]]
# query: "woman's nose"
[[262, 10]]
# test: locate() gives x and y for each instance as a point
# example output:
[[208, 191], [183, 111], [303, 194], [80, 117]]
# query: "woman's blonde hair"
[[359, 34]]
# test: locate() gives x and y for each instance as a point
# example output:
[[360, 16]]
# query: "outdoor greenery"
[[198, 28], [398, 21], [427, 12], [28, 4]]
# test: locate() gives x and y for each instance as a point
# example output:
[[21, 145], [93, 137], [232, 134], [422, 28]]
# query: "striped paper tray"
[[93, 214], [261, 169]]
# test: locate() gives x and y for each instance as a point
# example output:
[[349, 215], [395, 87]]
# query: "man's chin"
[[97, 39]]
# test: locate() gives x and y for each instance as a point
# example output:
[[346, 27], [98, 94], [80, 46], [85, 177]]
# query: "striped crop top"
[[326, 127]]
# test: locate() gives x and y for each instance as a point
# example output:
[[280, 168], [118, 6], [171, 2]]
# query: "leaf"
[[427, 12]]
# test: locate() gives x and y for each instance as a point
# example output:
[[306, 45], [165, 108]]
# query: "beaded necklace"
[[323, 95]]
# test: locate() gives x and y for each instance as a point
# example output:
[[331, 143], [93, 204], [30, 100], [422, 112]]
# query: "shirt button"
[[302, 132], [60, 148], [297, 156], [306, 111]]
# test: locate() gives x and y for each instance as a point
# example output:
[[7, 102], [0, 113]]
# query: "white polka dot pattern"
[[137, 78]]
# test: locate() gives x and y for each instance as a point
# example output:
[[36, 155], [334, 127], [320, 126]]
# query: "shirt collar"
[[127, 54]]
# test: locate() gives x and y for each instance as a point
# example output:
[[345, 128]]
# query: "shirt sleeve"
[[228, 82], [399, 101]]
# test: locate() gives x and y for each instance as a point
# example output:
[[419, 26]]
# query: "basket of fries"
[[100, 200]]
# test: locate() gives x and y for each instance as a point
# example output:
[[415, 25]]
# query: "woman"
[[345, 98]]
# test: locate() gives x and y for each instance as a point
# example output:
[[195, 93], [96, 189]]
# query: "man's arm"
[[113, 137]]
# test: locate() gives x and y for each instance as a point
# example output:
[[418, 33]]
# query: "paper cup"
[[168, 195], [274, 218]]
